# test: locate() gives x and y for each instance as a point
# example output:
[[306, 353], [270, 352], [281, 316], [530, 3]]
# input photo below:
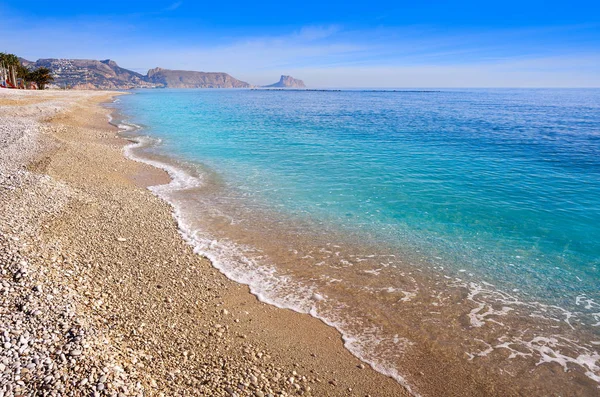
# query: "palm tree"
[[11, 60], [41, 77]]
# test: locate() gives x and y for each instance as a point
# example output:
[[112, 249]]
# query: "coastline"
[[131, 307], [174, 322], [480, 342]]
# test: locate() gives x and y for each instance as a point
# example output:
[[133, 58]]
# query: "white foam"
[[408, 296], [548, 349], [128, 127], [180, 179], [589, 303]]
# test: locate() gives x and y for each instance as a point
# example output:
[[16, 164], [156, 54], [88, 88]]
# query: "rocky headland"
[[287, 82]]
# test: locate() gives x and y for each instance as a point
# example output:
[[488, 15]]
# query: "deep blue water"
[[501, 183]]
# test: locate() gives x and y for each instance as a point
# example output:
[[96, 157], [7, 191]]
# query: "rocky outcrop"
[[287, 82], [190, 79]]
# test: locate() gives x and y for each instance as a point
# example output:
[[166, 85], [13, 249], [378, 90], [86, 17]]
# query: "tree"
[[41, 76], [9, 60]]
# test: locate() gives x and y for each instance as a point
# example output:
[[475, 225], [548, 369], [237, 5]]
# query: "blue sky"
[[326, 43]]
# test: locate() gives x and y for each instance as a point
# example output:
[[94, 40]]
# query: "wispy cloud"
[[311, 33], [174, 6]]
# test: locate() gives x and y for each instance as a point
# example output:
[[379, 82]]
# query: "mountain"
[[189, 79], [91, 74], [288, 82], [107, 75], [25, 62]]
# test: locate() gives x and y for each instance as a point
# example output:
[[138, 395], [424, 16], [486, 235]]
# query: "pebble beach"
[[100, 295]]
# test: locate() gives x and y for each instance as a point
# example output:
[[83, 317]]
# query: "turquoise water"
[[499, 185], [505, 183]]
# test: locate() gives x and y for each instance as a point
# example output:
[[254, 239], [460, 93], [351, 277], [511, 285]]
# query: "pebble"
[[51, 346]]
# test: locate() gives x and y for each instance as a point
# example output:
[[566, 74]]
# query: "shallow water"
[[463, 225]]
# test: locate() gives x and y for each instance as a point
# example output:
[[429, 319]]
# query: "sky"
[[371, 43]]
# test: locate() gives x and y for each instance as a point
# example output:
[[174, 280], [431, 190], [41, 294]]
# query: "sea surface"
[[455, 226]]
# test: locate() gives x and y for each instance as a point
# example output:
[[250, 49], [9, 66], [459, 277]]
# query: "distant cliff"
[[189, 79], [287, 82]]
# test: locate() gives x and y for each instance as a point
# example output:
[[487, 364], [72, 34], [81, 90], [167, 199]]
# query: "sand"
[[111, 299]]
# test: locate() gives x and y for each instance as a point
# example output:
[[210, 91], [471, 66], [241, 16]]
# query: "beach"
[[104, 289], [100, 294]]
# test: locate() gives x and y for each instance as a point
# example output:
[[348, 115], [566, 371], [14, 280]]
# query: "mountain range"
[[106, 74]]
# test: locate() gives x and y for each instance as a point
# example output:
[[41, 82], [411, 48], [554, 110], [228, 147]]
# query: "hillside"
[[90, 74], [93, 74]]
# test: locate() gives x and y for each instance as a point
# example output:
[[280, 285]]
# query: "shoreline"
[[148, 315], [180, 178], [439, 362], [135, 150], [161, 330]]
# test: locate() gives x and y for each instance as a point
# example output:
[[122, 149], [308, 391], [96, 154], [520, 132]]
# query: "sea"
[[442, 232]]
